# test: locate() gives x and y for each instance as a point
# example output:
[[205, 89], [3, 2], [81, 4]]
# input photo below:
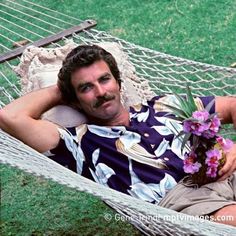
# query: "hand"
[[230, 164]]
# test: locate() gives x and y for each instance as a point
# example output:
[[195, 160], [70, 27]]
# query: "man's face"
[[97, 91]]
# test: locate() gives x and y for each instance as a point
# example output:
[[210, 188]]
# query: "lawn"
[[198, 30]]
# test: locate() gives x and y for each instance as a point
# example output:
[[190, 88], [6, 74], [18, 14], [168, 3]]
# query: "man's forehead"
[[97, 66], [92, 72]]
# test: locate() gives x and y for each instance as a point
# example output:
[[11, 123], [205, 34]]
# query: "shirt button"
[[146, 135], [166, 158]]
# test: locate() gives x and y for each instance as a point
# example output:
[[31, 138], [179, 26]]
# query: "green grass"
[[34, 206], [198, 30]]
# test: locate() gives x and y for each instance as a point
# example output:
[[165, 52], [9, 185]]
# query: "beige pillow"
[[39, 68]]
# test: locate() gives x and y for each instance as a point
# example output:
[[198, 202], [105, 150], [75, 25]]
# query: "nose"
[[100, 91]]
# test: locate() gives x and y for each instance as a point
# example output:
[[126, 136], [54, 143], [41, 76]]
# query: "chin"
[[106, 116]]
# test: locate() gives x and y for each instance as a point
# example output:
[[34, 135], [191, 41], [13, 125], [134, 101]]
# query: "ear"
[[119, 84]]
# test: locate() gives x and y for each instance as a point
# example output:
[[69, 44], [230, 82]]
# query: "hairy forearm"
[[35, 103], [233, 112], [21, 119], [32, 105]]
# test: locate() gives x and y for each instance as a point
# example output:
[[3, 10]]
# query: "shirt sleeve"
[[61, 153], [70, 154], [206, 101], [201, 102]]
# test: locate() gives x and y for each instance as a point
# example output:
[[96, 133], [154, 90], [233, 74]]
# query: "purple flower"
[[211, 172], [199, 125], [225, 144], [201, 115], [213, 157], [214, 126], [195, 127], [191, 166], [209, 134]]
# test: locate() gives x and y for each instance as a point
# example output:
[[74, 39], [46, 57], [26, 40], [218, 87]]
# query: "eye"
[[85, 88], [105, 79]]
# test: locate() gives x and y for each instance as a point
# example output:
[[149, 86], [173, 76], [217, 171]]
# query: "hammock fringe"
[[164, 74], [148, 218]]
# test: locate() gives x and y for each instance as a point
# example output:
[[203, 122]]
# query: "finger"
[[230, 163], [224, 177], [228, 173], [227, 166]]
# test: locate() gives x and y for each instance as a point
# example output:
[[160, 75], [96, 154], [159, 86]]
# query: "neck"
[[121, 118]]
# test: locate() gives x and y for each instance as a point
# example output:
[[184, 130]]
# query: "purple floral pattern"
[[144, 160]]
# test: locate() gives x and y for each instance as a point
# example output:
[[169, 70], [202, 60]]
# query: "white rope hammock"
[[164, 74]]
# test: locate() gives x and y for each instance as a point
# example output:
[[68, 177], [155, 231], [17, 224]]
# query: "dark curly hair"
[[82, 56]]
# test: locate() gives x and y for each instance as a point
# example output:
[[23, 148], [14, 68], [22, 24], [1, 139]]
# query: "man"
[[133, 151]]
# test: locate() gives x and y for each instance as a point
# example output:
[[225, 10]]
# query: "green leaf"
[[185, 140], [186, 104], [196, 141], [183, 104], [192, 119], [181, 133], [186, 107], [174, 117], [191, 99], [176, 111], [212, 115], [209, 105]]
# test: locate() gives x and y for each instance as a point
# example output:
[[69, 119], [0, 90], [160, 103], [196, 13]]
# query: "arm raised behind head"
[[21, 119]]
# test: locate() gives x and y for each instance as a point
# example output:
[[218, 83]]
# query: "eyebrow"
[[80, 86], [105, 74]]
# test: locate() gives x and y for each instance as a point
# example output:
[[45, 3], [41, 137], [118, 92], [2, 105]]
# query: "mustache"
[[103, 99]]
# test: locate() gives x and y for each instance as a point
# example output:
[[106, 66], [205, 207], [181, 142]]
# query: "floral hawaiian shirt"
[[143, 160]]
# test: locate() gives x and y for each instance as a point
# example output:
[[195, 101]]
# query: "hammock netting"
[[24, 20]]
